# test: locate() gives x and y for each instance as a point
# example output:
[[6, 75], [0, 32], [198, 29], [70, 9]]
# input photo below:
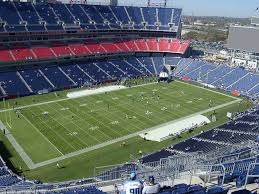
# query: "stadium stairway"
[[25, 83]]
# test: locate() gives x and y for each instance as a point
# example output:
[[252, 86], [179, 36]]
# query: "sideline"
[[32, 165], [64, 99]]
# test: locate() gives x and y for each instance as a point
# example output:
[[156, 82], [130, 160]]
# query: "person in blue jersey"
[[132, 186]]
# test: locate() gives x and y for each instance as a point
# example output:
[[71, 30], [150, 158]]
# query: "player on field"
[[132, 186]]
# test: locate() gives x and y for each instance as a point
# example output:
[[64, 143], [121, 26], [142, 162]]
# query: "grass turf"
[[74, 124]]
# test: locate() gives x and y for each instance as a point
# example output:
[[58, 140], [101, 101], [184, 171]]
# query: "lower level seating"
[[220, 76]]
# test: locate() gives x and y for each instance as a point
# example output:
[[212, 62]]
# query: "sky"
[[229, 8]]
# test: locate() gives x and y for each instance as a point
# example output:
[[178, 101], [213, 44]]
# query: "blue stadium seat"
[[89, 17]]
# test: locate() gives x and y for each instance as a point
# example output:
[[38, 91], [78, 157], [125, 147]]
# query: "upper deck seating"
[[57, 16]]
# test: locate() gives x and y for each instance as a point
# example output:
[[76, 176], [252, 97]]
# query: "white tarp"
[[89, 92], [161, 133]]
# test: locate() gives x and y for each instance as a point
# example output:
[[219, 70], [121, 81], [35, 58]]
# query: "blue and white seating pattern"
[[99, 71], [220, 76], [23, 16], [53, 77], [7, 178]]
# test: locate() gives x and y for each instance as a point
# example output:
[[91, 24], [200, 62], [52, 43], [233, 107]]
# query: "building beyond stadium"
[[244, 43]]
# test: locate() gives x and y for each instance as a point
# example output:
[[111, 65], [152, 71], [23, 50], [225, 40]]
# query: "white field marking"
[[64, 99], [168, 96], [158, 108], [93, 128], [87, 122], [100, 123], [41, 133], [81, 105], [80, 128], [57, 133], [208, 89], [73, 133], [66, 108], [66, 127], [172, 112], [114, 122], [123, 138], [50, 127], [138, 114], [117, 140], [118, 110]]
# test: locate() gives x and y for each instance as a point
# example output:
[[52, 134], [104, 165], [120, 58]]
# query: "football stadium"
[[108, 98]]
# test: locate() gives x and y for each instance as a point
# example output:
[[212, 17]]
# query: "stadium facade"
[[46, 47]]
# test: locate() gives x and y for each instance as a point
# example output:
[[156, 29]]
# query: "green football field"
[[59, 127]]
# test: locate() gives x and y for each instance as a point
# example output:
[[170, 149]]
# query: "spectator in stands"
[[151, 187], [132, 186]]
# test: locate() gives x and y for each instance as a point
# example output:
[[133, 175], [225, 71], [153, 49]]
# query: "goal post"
[[8, 117]]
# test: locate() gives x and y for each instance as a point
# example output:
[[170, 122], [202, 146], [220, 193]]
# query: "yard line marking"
[[207, 89], [98, 122], [40, 132], [81, 129], [64, 99], [123, 138], [64, 128], [53, 130], [132, 107], [115, 111]]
